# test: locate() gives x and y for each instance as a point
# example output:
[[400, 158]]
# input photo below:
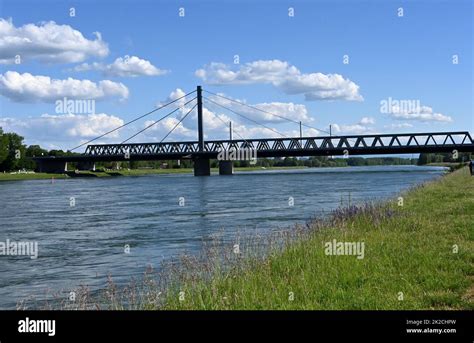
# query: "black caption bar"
[[406, 326]]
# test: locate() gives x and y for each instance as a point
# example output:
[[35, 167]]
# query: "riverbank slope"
[[418, 254]]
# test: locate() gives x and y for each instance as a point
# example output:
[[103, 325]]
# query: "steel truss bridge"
[[202, 151], [404, 143]]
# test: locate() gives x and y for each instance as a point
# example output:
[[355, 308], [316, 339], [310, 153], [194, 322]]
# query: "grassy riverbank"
[[417, 256], [30, 176]]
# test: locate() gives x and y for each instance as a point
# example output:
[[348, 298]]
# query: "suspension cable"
[[228, 109], [179, 122], [264, 111], [215, 115], [134, 120], [157, 121]]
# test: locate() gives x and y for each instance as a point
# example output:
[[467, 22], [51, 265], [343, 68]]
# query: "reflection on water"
[[160, 216]]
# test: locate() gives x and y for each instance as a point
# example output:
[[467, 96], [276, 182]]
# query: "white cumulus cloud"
[[420, 113], [263, 112], [62, 130], [401, 111], [30, 88], [364, 126], [281, 74], [124, 67], [367, 121], [47, 42], [399, 126], [174, 95]]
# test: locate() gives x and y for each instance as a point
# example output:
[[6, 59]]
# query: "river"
[[82, 226]]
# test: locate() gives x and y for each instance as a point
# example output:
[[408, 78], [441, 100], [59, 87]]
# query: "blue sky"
[[284, 62]]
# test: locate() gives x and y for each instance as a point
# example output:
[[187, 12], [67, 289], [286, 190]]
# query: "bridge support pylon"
[[226, 167], [202, 167], [86, 165], [51, 166]]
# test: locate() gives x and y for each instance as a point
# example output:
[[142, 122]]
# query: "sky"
[[360, 67]]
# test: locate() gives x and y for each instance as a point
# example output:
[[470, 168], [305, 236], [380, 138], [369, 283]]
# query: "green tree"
[[423, 159], [3, 146], [32, 151], [15, 152]]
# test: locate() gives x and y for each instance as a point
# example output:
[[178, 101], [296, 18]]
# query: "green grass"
[[33, 176], [409, 251]]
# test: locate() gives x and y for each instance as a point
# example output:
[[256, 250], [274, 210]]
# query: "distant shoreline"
[[122, 172], [18, 176]]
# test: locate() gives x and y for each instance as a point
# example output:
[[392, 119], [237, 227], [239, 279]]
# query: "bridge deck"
[[404, 143]]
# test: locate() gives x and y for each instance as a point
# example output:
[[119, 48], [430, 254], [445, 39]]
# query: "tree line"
[[444, 158]]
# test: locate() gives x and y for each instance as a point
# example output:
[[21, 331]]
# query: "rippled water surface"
[[81, 244]]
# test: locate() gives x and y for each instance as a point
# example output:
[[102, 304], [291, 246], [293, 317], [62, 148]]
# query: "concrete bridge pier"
[[86, 165], [226, 167], [202, 167], [51, 166]]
